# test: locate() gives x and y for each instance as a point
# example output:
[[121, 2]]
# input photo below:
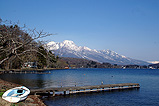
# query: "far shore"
[[28, 69]]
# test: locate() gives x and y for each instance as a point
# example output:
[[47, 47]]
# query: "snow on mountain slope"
[[68, 48], [153, 62]]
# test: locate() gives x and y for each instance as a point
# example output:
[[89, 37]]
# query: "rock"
[[31, 104], [29, 100]]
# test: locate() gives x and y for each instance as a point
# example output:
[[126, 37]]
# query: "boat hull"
[[13, 95]]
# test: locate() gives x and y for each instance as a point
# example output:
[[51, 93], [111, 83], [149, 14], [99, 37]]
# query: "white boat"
[[16, 94]]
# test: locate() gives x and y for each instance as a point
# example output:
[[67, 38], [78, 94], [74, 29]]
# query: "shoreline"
[[31, 99], [28, 69]]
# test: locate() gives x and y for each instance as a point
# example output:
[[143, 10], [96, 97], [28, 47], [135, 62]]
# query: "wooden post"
[[103, 89], [91, 90], [97, 90], [53, 93], [64, 92]]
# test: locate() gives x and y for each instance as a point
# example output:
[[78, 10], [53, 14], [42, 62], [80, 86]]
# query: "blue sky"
[[128, 27]]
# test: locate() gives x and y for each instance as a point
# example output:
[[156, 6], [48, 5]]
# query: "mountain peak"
[[51, 43], [68, 42], [69, 49], [86, 48]]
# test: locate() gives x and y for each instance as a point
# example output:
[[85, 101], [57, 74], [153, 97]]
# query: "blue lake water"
[[147, 95]]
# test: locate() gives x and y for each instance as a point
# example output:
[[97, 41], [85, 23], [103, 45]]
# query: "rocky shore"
[[32, 100]]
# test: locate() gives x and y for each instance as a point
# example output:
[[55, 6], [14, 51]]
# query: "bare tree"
[[17, 43]]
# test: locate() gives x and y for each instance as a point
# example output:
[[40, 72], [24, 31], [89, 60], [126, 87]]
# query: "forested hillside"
[[84, 63]]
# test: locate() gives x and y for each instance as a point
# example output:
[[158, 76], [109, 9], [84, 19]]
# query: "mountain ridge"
[[68, 48]]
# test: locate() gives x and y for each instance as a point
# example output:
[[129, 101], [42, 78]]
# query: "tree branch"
[[4, 60]]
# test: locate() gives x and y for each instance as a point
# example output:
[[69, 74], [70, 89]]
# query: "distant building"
[[154, 66], [30, 65]]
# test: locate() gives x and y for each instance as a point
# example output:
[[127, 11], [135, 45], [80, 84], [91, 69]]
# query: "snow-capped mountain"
[[69, 49], [153, 62]]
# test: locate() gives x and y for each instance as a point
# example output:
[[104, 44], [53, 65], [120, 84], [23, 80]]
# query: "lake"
[[147, 95]]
